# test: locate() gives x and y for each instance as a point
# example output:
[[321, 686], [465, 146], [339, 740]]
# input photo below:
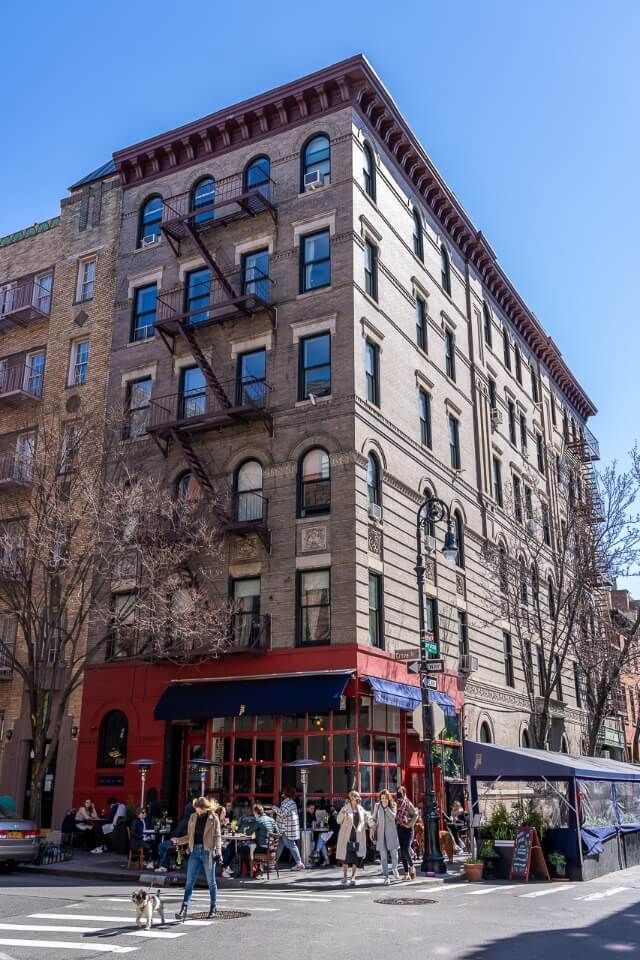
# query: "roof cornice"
[[353, 82]]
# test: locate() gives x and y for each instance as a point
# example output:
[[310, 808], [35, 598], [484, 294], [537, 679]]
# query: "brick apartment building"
[[619, 735], [56, 305], [307, 323]]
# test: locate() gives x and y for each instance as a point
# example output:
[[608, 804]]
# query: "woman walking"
[[352, 837], [204, 843], [386, 834], [406, 816]]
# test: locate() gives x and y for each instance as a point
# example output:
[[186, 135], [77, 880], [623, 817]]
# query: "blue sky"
[[529, 110]]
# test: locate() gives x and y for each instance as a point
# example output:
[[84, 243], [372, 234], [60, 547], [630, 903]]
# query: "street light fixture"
[[431, 510], [202, 766], [303, 767], [143, 765]]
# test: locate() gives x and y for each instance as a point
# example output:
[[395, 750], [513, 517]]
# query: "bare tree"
[[98, 559], [553, 561]]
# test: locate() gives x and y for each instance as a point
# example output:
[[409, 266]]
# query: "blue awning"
[[401, 695], [313, 693], [486, 761], [444, 701]]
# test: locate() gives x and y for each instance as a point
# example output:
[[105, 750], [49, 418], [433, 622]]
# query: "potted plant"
[[559, 863], [490, 858], [473, 870], [501, 831]]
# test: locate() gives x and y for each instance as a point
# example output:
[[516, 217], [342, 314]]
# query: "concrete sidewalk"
[[112, 868]]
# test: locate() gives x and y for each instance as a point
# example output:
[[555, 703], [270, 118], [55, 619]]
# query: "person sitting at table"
[[167, 845], [85, 824], [323, 832], [113, 814], [264, 826], [138, 839], [246, 825]]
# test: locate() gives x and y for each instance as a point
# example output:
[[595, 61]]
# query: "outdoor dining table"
[[236, 838]]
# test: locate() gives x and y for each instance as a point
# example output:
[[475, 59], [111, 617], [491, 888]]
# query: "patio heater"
[[303, 767], [202, 766], [143, 765]]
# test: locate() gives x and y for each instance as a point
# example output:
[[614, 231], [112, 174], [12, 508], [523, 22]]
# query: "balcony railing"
[[211, 302], [8, 628], [22, 304], [585, 446], [204, 409], [15, 471], [231, 200], [250, 633], [20, 383]]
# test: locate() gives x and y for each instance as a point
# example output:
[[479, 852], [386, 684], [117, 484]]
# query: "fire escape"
[[217, 296]]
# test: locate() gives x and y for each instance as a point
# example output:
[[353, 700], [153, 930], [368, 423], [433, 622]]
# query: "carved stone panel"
[[461, 587], [246, 548], [430, 569], [313, 539], [375, 540]]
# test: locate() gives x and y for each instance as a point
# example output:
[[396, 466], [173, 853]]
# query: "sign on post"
[[408, 654], [430, 648], [428, 683], [433, 666]]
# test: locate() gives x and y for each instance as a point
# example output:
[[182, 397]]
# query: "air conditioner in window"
[[532, 527], [496, 418], [467, 663], [375, 511], [429, 544], [313, 180], [150, 239]]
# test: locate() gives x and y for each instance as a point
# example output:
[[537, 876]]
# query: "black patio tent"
[[602, 801]]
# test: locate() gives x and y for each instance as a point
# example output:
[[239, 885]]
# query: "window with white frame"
[[86, 279], [79, 363]]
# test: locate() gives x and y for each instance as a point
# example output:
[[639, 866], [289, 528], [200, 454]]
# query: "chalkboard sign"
[[527, 854]]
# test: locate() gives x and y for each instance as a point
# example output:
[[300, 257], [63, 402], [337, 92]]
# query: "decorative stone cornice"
[[353, 83]]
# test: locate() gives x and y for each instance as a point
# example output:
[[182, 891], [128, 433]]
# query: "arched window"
[[316, 162], [187, 487], [150, 219], [418, 239], [485, 733], [373, 480], [369, 171], [203, 195], [446, 269], [112, 741], [459, 531], [525, 740], [314, 483], [249, 503], [552, 599], [257, 172]]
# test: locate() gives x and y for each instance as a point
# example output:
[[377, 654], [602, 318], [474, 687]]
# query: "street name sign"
[[409, 654], [433, 666], [431, 647], [429, 683]]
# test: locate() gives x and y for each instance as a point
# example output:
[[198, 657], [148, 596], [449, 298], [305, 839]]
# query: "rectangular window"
[[314, 593], [34, 372], [542, 684], [527, 665], [506, 346], [70, 448], [508, 660], [193, 393], [424, 401], [144, 312], [315, 261], [376, 632], [558, 678], [493, 397], [372, 372], [245, 593], [371, 269], [535, 392], [528, 502], [86, 280], [488, 332], [450, 354], [546, 525], [517, 499], [553, 410], [421, 323], [251, 386], [43, 288], [315, 366], [255, 274], [431, 616], [198, 295], [497, 481], [518, 357], [454, 442], [558, 468], [540, 452], [463, 634], [123, 625], [511, 413], [138, 403], [25, 452], [8, 633], [523, 433], [79, 363]]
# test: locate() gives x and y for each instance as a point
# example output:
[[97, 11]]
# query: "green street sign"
[[431, 647]]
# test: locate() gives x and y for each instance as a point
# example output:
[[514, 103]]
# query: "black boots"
[[182, 913], [212, 911]]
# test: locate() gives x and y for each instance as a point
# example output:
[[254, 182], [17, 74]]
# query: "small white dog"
[[147, 904]]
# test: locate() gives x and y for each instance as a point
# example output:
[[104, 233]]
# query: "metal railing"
[[248, 507], [250, 632], [15, 469], [26, 297], [205, 403], [209, 300], [231, 191], [21, 378], [8, 630], [585, 445]]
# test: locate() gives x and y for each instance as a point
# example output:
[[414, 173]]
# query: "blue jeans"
[[291, 846], [321, 848], [163, 850], [200, 858]]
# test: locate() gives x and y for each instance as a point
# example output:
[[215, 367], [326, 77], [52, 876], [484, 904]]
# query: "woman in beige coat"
[[204, 843], [351, 848]]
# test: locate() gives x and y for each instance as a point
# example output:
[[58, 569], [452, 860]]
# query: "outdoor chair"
[[135, 854], [269, 861]]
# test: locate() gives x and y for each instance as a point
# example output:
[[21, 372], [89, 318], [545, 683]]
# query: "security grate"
[[404, 901], [220, 915]]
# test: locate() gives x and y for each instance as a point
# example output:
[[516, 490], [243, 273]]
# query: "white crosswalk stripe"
[[66, 945], [110, 918], [60, 928], [486, 890], [602, 894], [545, 893]]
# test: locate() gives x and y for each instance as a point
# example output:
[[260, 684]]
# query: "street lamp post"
[[431, 510], [303, 767], [143, 765], [202, 766]]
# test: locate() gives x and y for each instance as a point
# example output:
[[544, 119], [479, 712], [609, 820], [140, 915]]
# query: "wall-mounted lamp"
[[74, 732], [9, 734]]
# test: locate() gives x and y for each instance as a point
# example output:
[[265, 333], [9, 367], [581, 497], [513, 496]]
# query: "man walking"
[[288, 825]]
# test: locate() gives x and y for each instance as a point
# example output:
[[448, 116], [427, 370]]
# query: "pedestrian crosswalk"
[[568, 891], [106, 924]]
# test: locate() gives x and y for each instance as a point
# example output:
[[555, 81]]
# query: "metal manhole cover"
[[404, 901], [220, 915]]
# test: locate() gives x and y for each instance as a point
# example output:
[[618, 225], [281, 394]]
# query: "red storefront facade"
[[357, 742]]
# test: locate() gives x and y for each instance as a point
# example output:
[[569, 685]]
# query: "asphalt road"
[[557, 921]]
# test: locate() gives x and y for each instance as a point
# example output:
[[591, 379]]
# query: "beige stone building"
[[56, 307]]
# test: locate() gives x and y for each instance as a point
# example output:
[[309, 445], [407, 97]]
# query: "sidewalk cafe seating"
[[268, 861]]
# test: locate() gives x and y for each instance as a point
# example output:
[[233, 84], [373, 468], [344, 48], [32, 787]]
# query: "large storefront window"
[[357, 746]]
